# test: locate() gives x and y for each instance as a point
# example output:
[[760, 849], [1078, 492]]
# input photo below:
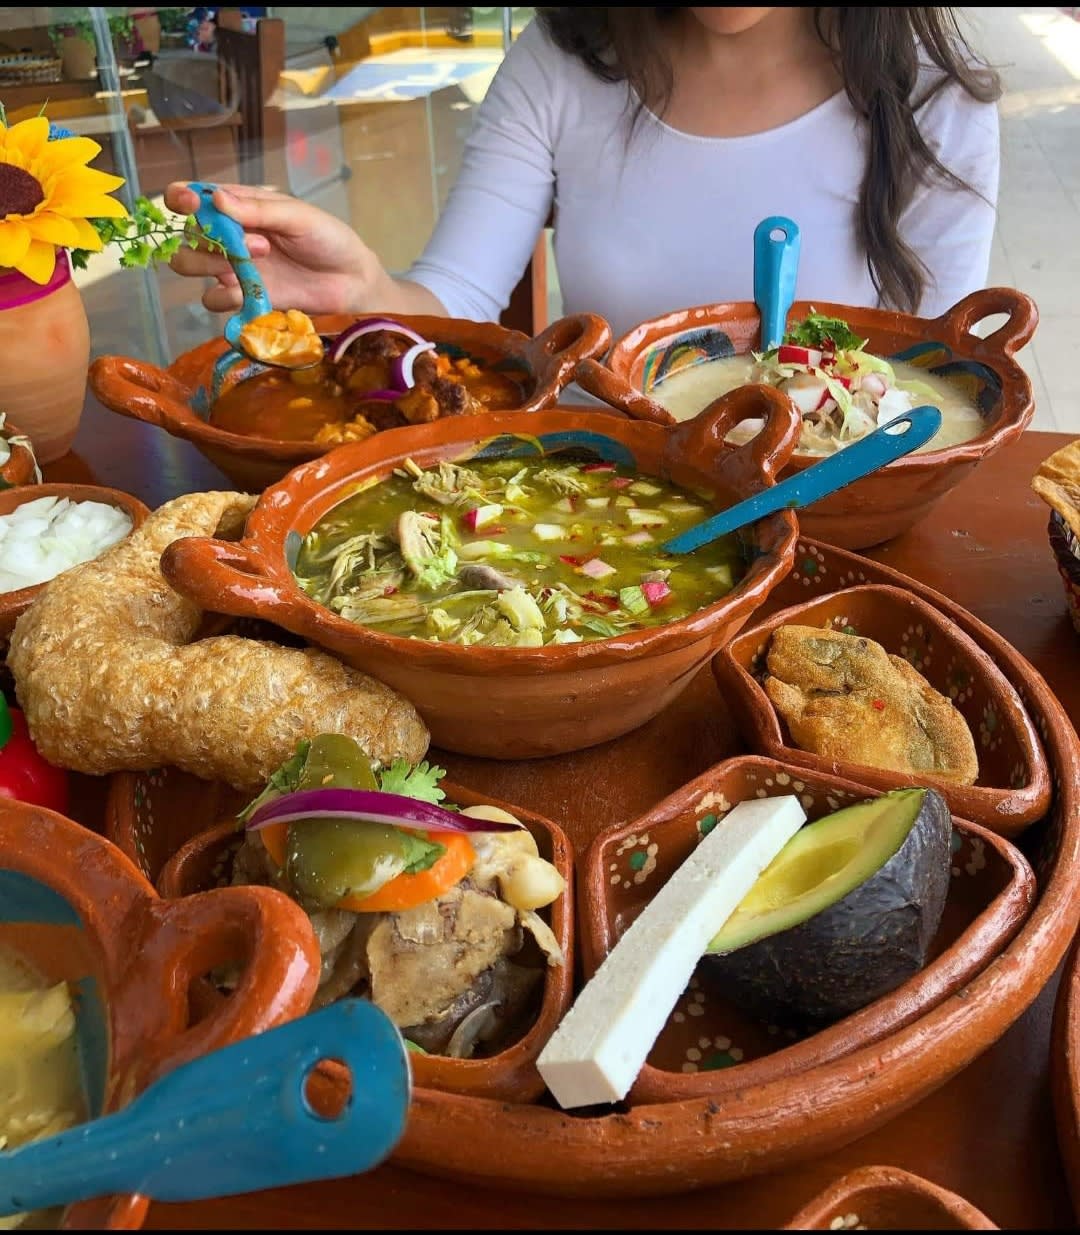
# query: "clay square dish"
[[1013, 786], [535, 701], [12, 604], [178, 399], [885, 1198], [708, 1047], [78, 910], [1065, 1070], [181, 832], [21, 467], [892, 499]]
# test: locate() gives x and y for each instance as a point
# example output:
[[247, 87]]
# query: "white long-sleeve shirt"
[[668, 221]]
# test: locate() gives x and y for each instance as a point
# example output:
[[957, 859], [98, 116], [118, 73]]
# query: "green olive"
[[337, 761], [328, 859]]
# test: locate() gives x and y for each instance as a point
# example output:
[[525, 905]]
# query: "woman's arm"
[[503, 194], [951, 228]]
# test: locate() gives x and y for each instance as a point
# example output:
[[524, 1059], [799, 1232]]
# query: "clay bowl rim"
[[300, 498], [999, 432], [252, 447], [847, 1188], [513, 1074], [14, 604], [982, 804], [21, 467], [992, 929], [117, 909]]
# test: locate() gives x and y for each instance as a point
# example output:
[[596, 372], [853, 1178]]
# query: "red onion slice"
[[368, 324], [373, 806], [401, 369], [384, 396]]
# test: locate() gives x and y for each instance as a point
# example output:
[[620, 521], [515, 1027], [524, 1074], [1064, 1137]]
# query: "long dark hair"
[[876, 51]]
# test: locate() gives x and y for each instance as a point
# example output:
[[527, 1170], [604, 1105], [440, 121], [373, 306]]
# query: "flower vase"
[[44, 357]]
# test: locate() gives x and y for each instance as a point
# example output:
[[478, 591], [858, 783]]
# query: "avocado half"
[[845, 913]]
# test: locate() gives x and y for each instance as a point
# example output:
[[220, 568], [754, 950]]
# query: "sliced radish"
[[597, 569], [791, 353], [656, 593]]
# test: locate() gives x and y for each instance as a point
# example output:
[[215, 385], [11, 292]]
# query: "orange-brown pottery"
[[159, 820], [641, 1148], [21, 467], [13, 604], [887, 502], [77, 909], [178, 398], [885, 1198], [709, 1046], [1013, 786], [1065, 1071], [511, 702]]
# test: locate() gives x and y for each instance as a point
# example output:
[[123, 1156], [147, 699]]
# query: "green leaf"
[[817, 330], [420, 854], [420, 782]]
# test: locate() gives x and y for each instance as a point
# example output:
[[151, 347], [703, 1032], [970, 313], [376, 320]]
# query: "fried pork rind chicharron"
[[845, 698], [1057, 482], [109, 679]]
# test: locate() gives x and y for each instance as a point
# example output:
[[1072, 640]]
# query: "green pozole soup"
[[513, 553]]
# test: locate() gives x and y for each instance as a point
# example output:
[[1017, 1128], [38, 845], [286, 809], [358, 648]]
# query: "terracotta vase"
[[45, 327]]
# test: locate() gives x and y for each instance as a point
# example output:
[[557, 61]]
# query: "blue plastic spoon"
[[776, 268], [889, 441], [236, 1120]]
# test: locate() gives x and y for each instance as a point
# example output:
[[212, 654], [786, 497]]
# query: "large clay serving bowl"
[[12, 604], [1065, 1070], [1012, 789], [78, 910], [885, 1198], [178, 398], [887, 502], [510, 702], [710, 1047], [160, 820]]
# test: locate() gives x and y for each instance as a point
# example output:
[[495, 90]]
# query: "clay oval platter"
[[660, 1148]]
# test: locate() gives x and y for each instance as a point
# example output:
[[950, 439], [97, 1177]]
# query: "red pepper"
[[879, 705], [25, 774]]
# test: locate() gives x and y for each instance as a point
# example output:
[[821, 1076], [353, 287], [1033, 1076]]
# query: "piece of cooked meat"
[[845, 698]]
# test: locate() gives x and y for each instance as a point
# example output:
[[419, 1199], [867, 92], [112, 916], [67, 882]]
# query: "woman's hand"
[[308, 259]]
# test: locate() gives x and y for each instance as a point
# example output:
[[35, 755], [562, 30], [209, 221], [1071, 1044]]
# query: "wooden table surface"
[[988, 1134]]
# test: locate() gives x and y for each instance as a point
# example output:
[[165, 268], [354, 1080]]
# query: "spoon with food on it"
[[284, 339]]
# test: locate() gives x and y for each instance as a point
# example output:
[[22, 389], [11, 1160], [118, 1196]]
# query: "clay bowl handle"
[[954, 326], [753, 466], [183, 940], [554, 354], [601, 382], [224, 577], [143, 392]]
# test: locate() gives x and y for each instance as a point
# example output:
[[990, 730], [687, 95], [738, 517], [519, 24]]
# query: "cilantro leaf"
[[420, 782], [817, 330], [421, 854], [285, 780]]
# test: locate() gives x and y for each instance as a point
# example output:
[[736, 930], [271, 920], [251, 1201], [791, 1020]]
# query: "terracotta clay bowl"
[[885, 1198], [1065, 1070], [1066, 549], [78, 910], [535, 701], [178, 398], [709, 1048], [12, 604], [21, 466], [159, 820], [889, 501], [1013, 786]]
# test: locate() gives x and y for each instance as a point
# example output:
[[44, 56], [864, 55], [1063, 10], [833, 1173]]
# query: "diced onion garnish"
[[371, 805], [42, 538], [351, 333]]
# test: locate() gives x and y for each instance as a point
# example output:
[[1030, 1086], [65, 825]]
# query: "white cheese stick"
[[600, 1045]]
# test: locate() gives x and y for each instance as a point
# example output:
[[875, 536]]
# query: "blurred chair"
[[258, 59]]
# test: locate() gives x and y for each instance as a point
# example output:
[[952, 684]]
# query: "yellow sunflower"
[[47, 195]]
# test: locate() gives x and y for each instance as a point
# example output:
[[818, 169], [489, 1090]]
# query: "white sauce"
[[48, 535], [691, 390]]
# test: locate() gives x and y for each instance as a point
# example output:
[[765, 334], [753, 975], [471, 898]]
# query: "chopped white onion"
[[42, 538]]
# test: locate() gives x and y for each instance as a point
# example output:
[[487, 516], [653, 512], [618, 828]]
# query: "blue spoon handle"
[[890, 441], [776, 269], [230, 235], [236, 1120]]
